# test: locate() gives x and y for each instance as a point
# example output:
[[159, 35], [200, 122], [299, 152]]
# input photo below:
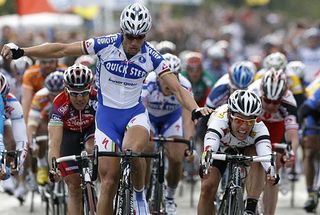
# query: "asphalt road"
[[10, 206]]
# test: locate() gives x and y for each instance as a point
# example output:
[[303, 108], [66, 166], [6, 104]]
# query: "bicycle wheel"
[[60, 201], [128, 203], [232, 203], [89, 201]]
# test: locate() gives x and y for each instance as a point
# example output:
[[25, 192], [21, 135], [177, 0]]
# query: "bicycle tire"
[[128, 203], [158, 202], [61, 199], [89, 201], [237, 204]]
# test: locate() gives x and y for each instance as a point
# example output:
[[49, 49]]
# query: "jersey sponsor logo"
[[8, 109], [106, 40], [88, 43], [142, 59], [55, 117], [155, 54], [63, 109], [177, 127], [131, 71], [105, 142], [253, 134]]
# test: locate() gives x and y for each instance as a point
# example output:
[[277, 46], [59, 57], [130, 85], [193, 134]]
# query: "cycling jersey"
[[40, 107], [34, 79], [293, 81], [311, 111], [119, 80], [313, 87], [157, 103], [220, 138], [220, 92], [14, 113], [64, 114], [165, 112], [202, 88]]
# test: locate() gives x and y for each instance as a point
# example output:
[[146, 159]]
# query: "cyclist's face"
[[132, 43], [194, 73], [270, 106], [79, 98], [48, 65], [241, 126]]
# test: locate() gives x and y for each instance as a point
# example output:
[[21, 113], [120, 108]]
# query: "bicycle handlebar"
[[129, 154], [238, 158]]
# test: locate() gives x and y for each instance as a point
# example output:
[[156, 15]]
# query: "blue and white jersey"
[[2, 117], [158, 104], [118, 79], [220, 93]]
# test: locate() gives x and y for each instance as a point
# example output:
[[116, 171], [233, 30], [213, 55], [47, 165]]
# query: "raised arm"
[[46, 50]]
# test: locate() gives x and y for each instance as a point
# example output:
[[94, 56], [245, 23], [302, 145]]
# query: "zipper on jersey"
[[80, 118]]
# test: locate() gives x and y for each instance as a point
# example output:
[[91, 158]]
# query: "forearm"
[[188, 125], [212, 141], [186, 100], [264, 148], [55, 139], [31, 131], [10, 144]]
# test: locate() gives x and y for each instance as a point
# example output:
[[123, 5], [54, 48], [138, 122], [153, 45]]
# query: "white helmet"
[[21, 64], [297, 67], [245, 103], [275, 60], [173, 62], [78, 76], [274, 84], [166, 46], [216, 52], [135, 19]]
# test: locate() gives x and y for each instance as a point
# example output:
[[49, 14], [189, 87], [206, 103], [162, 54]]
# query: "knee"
[[74, 190], [109, 183], [208, 190]]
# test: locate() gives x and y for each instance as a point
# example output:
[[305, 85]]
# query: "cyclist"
[[169, 119], [310, 114], [38, 119], [166, 46], [14, 116], [124, 61], [200, 79], [239, 76], [279, 114], [33, 80], [279, 61], [235, 126], [72, 122]]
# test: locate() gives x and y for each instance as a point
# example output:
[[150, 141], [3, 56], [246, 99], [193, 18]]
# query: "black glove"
[[196, 114], [16, 51]]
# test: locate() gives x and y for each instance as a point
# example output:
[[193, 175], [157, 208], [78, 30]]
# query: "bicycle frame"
[[86, 175]]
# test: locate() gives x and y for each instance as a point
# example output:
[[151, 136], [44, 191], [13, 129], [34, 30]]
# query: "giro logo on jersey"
[[131, 71], [142, 59]]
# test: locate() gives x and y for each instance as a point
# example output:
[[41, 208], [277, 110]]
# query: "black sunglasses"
[[134, 37]]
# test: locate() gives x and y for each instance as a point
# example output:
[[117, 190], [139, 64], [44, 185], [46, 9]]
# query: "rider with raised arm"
[[279, 114], [235, 126], [38, 119], [71, 128], [169, 119], [309, 116], [124, 60]]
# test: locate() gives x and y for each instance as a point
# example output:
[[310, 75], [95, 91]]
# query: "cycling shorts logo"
[[142, 59]]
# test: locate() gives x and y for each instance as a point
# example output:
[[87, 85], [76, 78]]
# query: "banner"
[[33, 6]]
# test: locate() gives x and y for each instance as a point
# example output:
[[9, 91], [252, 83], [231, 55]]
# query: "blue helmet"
[[241, 75], [54, 82]]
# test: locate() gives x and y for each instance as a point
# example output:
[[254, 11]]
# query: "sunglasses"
[[134, 37], [238, 120], [78, 93], [269, 101]]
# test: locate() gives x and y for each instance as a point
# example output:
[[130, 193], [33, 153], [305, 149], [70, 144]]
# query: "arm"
[[188, 126], [10, 144], [182, 94], [48, 50], [55, 138], [27, 95]]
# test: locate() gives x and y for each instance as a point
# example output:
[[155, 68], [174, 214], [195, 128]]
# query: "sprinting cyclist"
[[39, 114], [235, 126], [72, 122], [124, 60], [169, 119], [279, 114]]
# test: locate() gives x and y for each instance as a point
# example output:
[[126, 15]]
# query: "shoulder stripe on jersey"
[[263, 137], [214, 131], [83, 47]]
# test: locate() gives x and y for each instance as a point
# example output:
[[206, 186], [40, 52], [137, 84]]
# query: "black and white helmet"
[[245, 103], [173, 62], [78, 76], [135, 19], [274, 84]]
